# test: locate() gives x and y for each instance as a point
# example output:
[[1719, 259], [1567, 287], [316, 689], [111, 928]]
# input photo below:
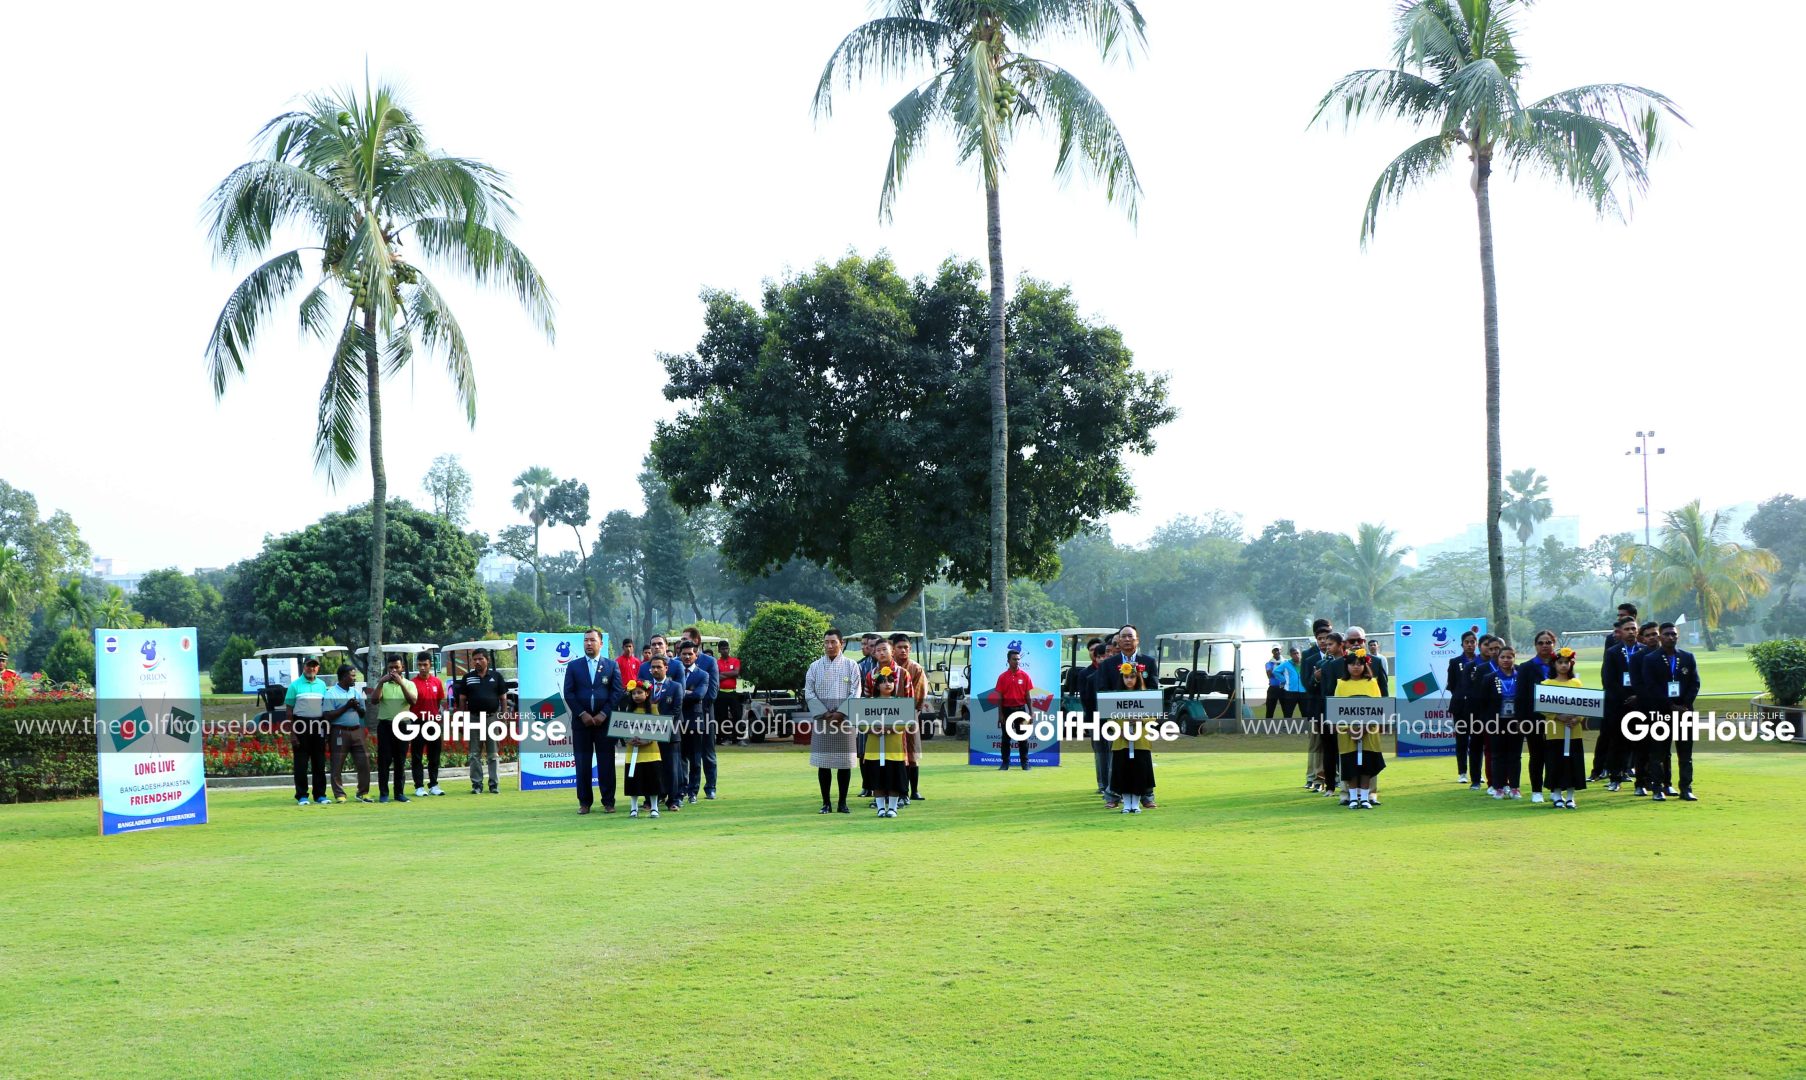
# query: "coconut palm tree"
[[981, 88], [71, 601], [357, 175], [1694, 563], [1366, 570], [1524, 509], [1463, 79], [530, 490], [114, 609]]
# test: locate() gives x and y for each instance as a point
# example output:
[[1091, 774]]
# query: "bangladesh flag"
[[1422, 686], [130, 728], [549, 709]]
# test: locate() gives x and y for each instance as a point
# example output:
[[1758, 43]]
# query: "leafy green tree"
[[983, 89], [567, 503], [306, 582], [1564, 613], [1779, 527], [1285, 571], [1030, 606], [1561, 567], [71, 605], [1613, 559], [174, 598], [15, 589], [227, 670], [807, 583], [530, 490], [71, 658], [780, 643], [1526, 506], [359, 175], [821, 426], [1695, 562], [1456, 69], [114, 609], [1365, 570], [1449, 585], [448, 486]]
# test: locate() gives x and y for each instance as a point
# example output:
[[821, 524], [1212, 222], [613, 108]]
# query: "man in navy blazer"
[[1128, 639], [591, 685], [1668, 686], [697, 747]]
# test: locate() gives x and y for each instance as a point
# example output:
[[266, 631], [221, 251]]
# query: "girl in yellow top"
[[884, 753], [645, 777], [1359, 744], [1564, 756], [1132, 761]]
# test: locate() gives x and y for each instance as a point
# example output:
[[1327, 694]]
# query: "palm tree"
[[981, 88], [1595, 139], [1694, 562], [70, 600], [114, 609], [358, 175], [1365, 569], [531, 488], [1525, 508]]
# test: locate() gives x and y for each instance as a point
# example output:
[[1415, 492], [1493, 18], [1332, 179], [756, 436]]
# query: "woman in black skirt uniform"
[[1501, 701], [1132, 761], [645, 779]]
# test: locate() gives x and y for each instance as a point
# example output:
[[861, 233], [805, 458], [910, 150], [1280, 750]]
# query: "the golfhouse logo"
[[1708, 728]]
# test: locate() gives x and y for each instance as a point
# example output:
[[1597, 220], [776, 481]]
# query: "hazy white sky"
[[656, 149]]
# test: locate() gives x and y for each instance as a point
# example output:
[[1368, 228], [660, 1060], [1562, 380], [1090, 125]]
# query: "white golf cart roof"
[[300, 650], [493, 645], [706, 640], [1087, 631], [407, 647], [1225, 639]]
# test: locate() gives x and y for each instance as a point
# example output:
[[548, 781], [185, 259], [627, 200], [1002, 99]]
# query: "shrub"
[[780, 643], [38, 764], [71, 658], [228, 675], [1782, 665]]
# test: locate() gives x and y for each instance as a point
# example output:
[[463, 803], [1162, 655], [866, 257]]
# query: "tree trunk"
[[538, 578], [889, 612], [1000, 425], [1523, 573], [1489, 318], [589, 591], [695, 608], [379, 490]]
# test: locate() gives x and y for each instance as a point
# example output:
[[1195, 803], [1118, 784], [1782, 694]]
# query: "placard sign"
[[1569, 700]]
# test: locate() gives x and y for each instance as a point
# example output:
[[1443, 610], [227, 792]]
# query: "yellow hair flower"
[[885, 672], [1128, 669]]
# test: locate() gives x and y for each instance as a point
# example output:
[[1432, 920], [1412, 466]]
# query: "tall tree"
[[1526, 506], [71, 601], [1285, 571], [982, 88], [530, 490], [1457, 69], [1614, 559], [821, 427], [1694, 561], [1367, 571], [567, 503], [114, 609], [358, 174], [1779, 526], [448, 486]]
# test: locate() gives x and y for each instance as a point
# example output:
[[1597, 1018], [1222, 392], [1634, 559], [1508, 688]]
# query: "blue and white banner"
[[147, 711], [990, 658], [1421, 651], [542, 658]]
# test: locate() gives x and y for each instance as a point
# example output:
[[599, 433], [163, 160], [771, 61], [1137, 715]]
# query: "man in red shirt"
[[1013, 688], [627, 663], [429, 702], [9, 679]]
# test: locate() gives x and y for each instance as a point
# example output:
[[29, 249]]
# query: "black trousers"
[[1539, 746], [430, 749], [1657, 769], [1507, 752], [1005, 747], [310, 759], [391, 759], [1277, 696], [594, 746]]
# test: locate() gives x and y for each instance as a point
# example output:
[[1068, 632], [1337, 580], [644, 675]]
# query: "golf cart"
[[935, 666], [1074, 660], [458, 662], [272, 688], [1197, 697]]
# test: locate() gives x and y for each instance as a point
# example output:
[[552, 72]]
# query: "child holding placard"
[[1359, 744], [1132, 760], [1564, 755], [645, 773], [884, 753]]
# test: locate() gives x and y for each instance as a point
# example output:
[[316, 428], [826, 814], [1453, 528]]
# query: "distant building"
[[497, 569], [116, 572]]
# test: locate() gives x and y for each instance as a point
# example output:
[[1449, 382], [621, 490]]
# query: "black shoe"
[[1005, 767], [1640, 792], [915, 796], [825, 809], [842, 809], [493, 790], [865, 793], [1688, 796], [1669, 791], [476, 791], [399, 797], [1658, 796]]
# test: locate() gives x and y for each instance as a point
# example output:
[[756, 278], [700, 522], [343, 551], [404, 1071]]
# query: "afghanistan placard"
[[1569, 700], [990, 659], [147, 711], [1421, 651], [653, 727], [547, 762]]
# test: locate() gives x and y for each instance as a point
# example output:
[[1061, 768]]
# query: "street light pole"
[[1641, 450]]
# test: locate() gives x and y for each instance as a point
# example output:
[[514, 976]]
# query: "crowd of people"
[[889, 757]]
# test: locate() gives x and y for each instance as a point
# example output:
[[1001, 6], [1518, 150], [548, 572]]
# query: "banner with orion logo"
[[147, 712], [1040, 659], [542, 658], [1422, 649]]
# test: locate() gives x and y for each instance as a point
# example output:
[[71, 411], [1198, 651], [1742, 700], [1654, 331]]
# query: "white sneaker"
[[1495, 793], [655, 811], [1572, 805], [434, 790], [1462, 779], [1515, 794], [1126, 809], [420, 793], [633, 811], [1536, 796]]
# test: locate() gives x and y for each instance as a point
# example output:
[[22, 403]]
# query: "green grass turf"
[[1006, 927]]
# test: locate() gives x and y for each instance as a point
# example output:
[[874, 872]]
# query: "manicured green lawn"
[[1006, 927]]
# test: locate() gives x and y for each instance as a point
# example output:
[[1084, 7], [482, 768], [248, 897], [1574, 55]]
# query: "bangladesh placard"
[[1569, 700]]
